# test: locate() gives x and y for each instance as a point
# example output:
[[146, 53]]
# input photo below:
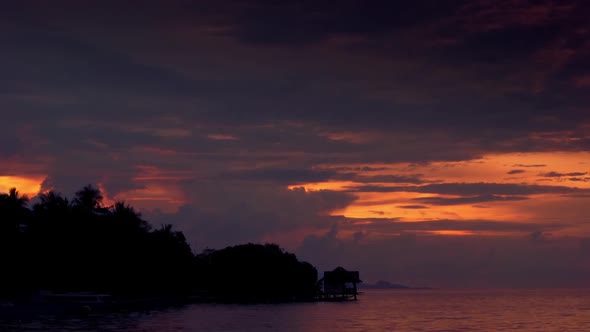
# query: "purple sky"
[[442, 143]]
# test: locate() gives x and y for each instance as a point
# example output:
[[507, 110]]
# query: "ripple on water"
[[437, 310]]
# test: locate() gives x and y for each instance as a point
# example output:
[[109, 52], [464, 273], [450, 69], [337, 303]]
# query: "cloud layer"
[[243, 120]]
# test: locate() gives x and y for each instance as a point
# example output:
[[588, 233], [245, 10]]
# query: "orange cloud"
[[166, 198], [451, 232], [30, 185], [328, 185], [493, 170]]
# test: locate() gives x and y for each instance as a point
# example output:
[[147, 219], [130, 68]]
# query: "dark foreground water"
[[377, 310]]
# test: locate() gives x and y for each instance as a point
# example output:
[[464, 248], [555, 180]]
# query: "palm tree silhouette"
[[129, 218], [52, 204], [14, 209], [89, 200]]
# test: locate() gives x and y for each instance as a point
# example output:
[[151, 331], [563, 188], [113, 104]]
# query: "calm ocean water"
[[377, 310]]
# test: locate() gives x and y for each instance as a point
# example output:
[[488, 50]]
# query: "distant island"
[[381, 284]]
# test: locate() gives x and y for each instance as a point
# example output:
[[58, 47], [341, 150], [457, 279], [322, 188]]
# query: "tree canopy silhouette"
[[14, 210], [254, 272], [81, 245]]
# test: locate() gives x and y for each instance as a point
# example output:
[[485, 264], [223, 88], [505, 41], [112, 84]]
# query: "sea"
[[376, 310]]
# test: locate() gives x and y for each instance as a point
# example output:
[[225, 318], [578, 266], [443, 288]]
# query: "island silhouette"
[[61, 248]]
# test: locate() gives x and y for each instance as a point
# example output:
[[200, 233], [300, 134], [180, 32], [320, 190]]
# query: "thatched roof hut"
[[340, 284]]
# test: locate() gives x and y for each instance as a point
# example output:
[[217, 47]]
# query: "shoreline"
[[30, 309]]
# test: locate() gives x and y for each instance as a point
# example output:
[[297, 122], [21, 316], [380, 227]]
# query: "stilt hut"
[[339, 285]]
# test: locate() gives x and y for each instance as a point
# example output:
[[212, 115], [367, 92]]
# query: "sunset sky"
[[427, 142]]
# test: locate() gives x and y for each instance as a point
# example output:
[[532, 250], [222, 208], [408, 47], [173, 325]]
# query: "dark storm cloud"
[[78, 74], [77, 66], [313, 21], [287, 176], [413, 179], [11, 147], [359, 169], [498, 37], [468, 199], [412, 207], [302, 175], [372, 169], [297, 24], [586, 179], [516, 171], [557, 174]]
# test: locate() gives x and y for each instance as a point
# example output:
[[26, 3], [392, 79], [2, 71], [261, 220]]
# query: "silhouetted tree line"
[[80, 245], [255, 273]]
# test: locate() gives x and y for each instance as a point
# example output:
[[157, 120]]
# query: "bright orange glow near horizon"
[[559, 169], [451, 232], [30, 185], [416, 211], [328, 185]]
